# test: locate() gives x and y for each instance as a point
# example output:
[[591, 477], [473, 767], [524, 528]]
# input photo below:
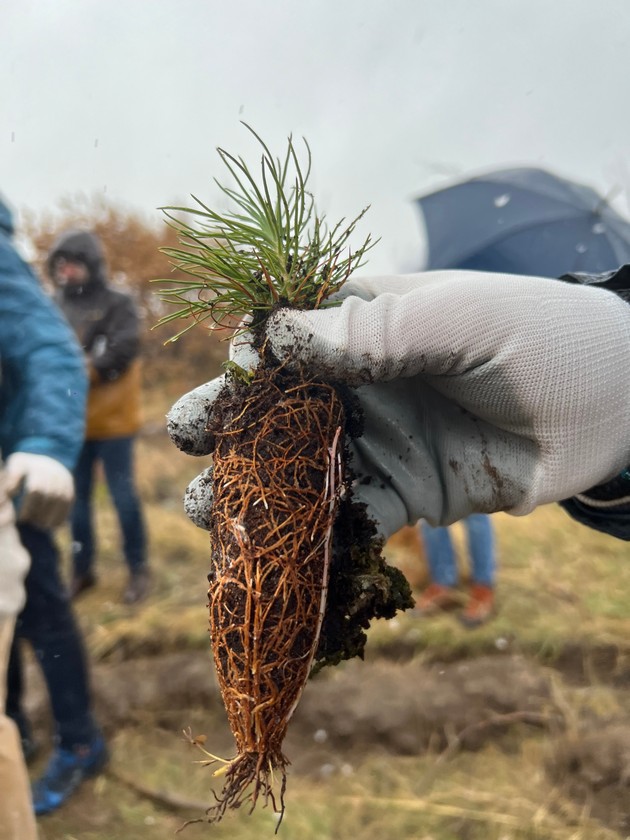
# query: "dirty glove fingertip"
[[198, 500]]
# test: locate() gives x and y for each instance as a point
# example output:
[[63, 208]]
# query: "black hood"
[[84, 246]]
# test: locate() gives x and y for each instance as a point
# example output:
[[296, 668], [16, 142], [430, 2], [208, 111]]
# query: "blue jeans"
[[47, 623], [441, 555], [116, 455]]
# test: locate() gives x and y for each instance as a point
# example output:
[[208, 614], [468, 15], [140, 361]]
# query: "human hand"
[[187, 427], [481, 392], [47, 488]]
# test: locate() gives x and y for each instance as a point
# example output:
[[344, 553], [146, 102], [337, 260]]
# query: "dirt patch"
[[402, 708], [593, 766], [408, 708], [405, 708], [598, 663]]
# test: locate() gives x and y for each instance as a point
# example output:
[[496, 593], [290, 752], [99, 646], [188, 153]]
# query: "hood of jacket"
[[85, 247]]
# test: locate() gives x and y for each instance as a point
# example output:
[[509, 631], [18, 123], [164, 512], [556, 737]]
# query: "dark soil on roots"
[[362, 585]]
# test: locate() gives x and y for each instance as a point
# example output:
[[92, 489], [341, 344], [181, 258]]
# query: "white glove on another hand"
[[47, 488], [481, 392]]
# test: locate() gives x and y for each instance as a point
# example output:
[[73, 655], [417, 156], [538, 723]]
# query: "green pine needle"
[[271, 249]]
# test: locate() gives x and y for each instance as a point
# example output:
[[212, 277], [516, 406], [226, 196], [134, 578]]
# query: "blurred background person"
[[42, 414], [442, 593], [107, 324]]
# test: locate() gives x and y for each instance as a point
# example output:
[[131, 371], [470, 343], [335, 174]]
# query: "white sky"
[[395, 98]]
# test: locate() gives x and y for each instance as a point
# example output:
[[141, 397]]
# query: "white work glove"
[[14, 559], [47, 488], [481, 392]]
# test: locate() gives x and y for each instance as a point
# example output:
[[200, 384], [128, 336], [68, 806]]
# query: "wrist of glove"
[[480, 392], [44, 486]]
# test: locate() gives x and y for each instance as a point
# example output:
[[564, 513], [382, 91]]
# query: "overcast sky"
[[132, 97]]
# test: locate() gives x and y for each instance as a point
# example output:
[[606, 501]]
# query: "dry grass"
[[489, 795], [561, 588]]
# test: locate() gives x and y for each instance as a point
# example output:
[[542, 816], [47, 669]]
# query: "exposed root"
[[248, 778], [278, 478], [280, 489]]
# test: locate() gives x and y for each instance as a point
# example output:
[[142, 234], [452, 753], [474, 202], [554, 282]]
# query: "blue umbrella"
[[523, 221]]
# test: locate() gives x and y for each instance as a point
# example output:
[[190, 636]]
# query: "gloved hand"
[[481, 392], [14, 559], [47, 488]]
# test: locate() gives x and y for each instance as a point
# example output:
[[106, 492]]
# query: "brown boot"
[[437, 598], [138, 586], [480, 606]]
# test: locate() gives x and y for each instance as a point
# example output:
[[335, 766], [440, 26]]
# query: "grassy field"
[[564, 607]]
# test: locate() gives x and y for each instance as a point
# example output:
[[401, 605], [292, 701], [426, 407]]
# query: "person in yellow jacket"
[[107, 325]]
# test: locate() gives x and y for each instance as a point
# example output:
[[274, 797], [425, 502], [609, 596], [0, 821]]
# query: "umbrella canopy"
[[523, 221]]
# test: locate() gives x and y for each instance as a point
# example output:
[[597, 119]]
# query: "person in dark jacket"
[[42, 413], [107, 324]]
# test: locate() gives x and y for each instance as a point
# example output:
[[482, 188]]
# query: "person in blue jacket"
[[42, 415]]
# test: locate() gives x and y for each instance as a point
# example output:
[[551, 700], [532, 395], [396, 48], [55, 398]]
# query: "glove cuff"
[[605, 507]]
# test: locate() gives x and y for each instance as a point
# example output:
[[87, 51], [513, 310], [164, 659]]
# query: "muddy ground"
[[404, 707]]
